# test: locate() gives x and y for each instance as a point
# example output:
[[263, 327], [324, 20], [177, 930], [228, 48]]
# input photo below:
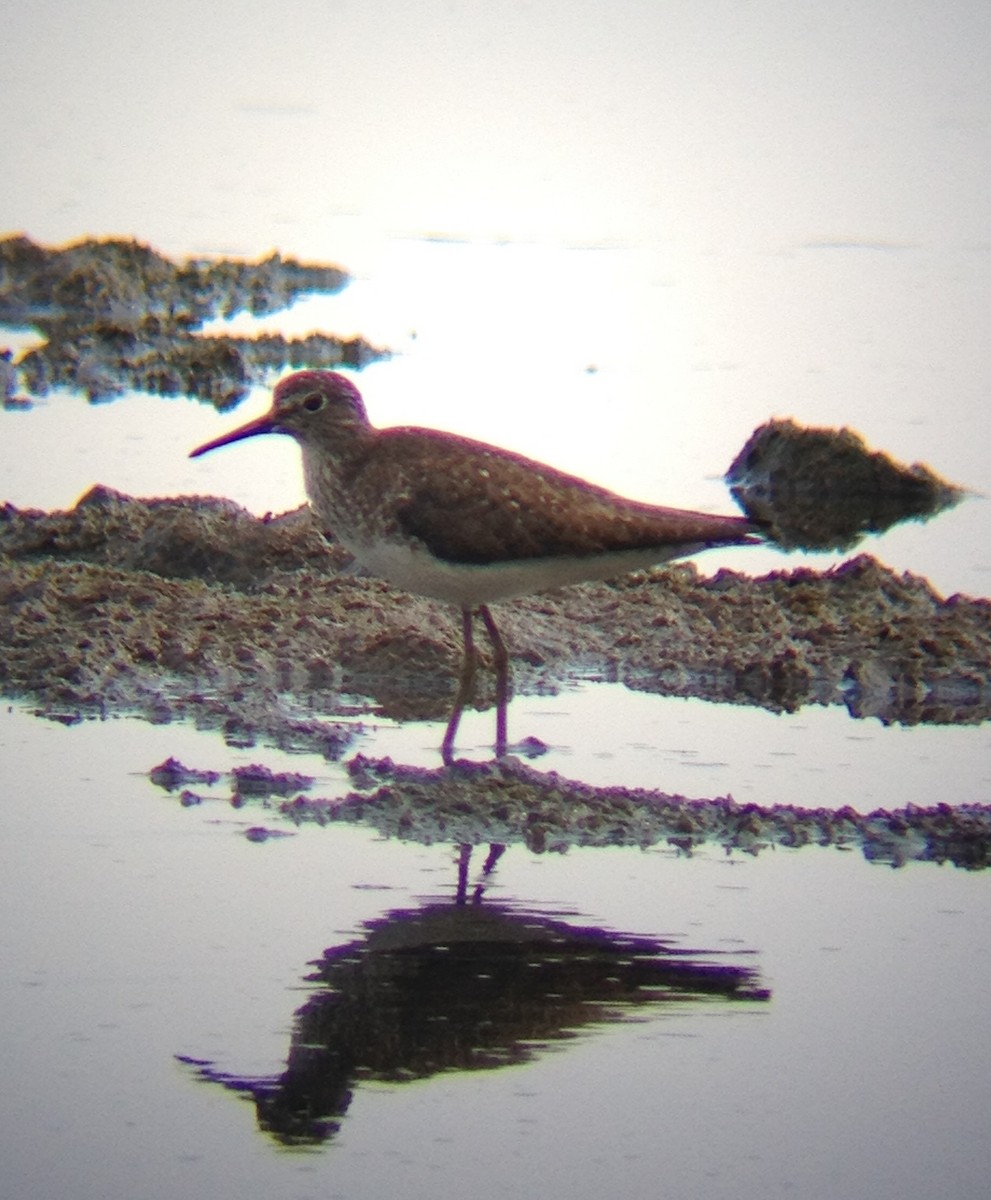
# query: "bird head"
[[306, 406]]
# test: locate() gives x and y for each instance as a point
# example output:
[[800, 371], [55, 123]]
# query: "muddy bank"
[[512, 802], [509, 802], [119, 316], [195, 608]]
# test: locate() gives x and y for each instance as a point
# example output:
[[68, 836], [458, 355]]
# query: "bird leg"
[[496, 851], [501, 661], [466, 682], [466, 685], [464, 860]]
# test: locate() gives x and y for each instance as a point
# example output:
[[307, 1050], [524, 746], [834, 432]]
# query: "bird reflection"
[[464, 986]]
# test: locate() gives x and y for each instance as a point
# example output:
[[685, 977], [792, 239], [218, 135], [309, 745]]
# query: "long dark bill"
[[263, 424]]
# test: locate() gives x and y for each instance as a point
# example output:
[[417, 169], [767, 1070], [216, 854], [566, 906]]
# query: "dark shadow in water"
[[464, 987]]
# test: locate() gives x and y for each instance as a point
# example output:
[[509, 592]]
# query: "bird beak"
[[263, 424]]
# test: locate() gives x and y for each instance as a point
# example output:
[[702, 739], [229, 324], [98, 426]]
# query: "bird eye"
[[314, 402]]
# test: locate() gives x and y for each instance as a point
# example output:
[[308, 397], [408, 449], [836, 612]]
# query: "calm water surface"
[[140, 932]]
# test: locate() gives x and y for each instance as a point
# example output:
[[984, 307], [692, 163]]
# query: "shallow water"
[[139, 931]]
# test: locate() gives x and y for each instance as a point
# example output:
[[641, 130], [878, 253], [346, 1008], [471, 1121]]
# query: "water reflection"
[[465, 986]]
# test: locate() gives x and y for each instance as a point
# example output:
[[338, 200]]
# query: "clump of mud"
[[822, 489], [118, 316], [509, 802]]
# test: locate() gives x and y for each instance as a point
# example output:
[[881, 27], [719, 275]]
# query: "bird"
[[455, 519]]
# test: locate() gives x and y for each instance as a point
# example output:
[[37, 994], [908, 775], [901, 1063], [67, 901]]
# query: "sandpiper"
[[455, 519]]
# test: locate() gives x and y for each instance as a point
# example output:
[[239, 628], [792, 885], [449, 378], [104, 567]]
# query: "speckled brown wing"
[[485, 505]]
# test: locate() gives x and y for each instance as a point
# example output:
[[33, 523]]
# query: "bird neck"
[[330, 469]]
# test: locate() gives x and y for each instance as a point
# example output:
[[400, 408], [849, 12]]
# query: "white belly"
[[469, 584]]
